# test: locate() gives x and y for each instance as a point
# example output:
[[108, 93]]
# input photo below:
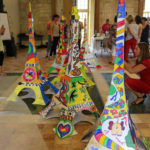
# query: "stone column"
[[97, 14], [141, 7], [53, 7]]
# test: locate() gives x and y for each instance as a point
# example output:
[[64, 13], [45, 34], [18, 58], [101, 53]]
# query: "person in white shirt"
[[2, 31], [132, 36]]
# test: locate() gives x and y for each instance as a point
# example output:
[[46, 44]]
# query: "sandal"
[[141, 102]]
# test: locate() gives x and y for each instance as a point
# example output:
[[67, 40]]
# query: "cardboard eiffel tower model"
[[62, 49], [64, 55], [33, 78], [86, 56], [115, 130], [73, 93], [73, 96]]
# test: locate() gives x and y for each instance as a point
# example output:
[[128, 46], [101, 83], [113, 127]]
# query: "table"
[[97, 43]]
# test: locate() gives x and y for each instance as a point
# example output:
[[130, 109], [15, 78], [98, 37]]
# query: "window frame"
[[87, 19]]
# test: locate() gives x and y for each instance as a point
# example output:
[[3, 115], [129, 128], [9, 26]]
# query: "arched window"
[[83, 8]]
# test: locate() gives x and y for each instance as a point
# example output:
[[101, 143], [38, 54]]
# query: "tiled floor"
[[20, 130]]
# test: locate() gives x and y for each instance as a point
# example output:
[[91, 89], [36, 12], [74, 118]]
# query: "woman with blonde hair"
[[132, 36], [141, 86]]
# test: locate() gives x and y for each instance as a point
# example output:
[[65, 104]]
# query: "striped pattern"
[[105, 141], [109, 140]]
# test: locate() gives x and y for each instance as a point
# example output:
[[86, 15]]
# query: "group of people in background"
[[136, 30], [137, 38], [53, 28]]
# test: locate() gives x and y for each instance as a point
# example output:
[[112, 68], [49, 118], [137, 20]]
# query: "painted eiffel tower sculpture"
[[73, 93], [62, 49], [73, 96], [115, 130], [86, 57], [33, 78], [64, 55]]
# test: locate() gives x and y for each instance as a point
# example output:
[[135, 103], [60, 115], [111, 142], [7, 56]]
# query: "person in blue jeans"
[[53, 30]]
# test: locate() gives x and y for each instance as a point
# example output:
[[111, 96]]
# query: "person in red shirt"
[[106, 27], [140, 86]]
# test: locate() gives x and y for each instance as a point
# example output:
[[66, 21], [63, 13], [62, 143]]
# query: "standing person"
[[2, 31], [54, 34], [49, 28], [138, 21], [106, 27], [132, 36], [66, 31], [145, 31], [80, 33], [112, 39], [141, 86]]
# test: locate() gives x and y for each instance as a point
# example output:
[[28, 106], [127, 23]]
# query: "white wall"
[[12, 7]]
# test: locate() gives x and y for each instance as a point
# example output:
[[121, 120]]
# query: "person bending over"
[[140, 87]]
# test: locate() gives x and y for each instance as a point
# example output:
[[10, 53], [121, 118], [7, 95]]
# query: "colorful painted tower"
[[32, 77], [86, 56], [114, 129], [73, 93], [82, 67], [84, 43], [73, 96], [62, 49]]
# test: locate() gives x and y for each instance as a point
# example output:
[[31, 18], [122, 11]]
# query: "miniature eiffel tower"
[[73, 93], [62, 49], [86, 57], [73, 96], [115, 130], [64, 55], [33, 78]]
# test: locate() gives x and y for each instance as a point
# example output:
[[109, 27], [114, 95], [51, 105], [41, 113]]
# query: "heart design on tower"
[[64, 129]]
